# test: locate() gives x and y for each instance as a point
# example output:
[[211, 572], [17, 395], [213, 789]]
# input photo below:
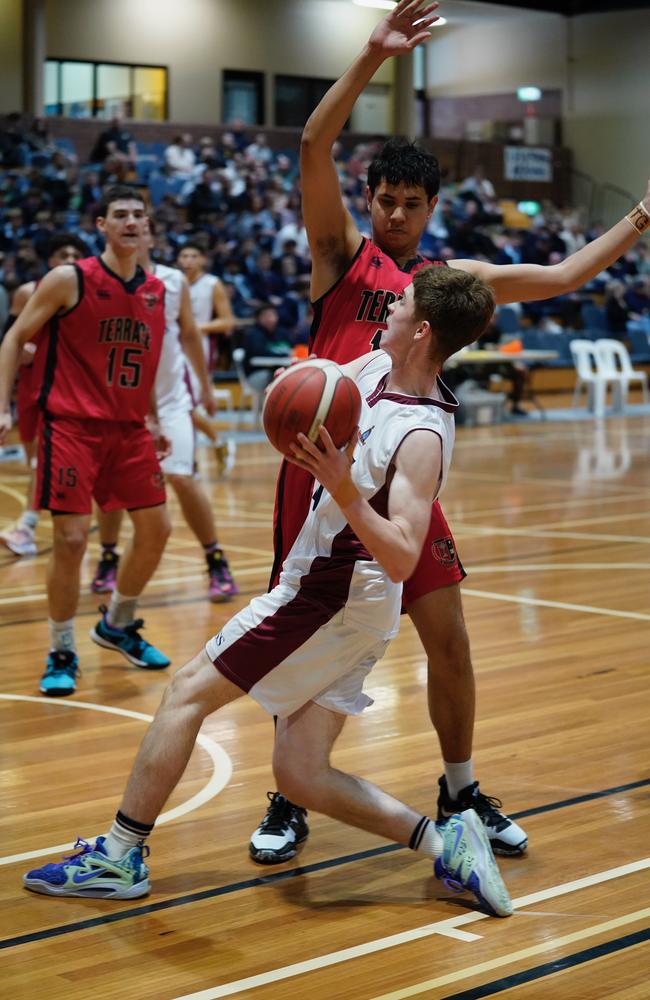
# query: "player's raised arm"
[[57, 292], [530, 282], [333, 235]]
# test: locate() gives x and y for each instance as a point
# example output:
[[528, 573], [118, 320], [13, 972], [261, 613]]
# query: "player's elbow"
[[401, 567]]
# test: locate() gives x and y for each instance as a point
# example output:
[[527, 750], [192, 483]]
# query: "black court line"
[[550, 968], [276, 877]]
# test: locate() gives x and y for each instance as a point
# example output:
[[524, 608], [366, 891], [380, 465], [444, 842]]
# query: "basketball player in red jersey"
[[353, 282], [104, 320], [64, 248]]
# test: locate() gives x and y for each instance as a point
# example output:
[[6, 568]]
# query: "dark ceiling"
[[572, 7]]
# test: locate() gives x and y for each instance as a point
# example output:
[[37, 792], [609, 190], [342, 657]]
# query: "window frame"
[[96, 63]]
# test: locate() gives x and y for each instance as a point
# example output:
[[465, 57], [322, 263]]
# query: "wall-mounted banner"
[[525, 163]]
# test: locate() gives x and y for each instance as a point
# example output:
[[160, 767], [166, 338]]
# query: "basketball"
[[307, 395]]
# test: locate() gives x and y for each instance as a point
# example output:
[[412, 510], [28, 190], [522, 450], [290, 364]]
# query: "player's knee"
[[70, 542]]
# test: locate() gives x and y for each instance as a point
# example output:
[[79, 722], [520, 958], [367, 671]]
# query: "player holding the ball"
[[353, 283], [303, 650]]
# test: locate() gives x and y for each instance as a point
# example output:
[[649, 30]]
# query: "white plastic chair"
[[590, 374], [248, 392], [616, 365]]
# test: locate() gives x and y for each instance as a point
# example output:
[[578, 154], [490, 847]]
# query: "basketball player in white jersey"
[[303, 650], [213, 315], [182, 343]]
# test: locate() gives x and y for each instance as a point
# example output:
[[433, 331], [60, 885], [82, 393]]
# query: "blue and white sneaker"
[[60, 677], [467, 862], [92, 873], [129, 643]]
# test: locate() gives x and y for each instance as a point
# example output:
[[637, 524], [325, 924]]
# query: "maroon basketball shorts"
[[28, 411], [112, 462], [438, 566]]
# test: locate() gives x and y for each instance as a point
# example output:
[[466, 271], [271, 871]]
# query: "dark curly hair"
[[401, 161]]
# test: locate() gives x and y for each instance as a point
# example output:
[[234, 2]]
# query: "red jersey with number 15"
[[350, 318], [101, 356]]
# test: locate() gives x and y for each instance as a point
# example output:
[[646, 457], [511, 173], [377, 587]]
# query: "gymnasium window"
[[79, 89], [243, 96], [296, 97]]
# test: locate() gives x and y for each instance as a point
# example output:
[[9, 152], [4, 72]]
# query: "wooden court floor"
[[552, 521]]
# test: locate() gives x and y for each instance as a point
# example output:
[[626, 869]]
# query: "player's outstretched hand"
[[404, 28], [329, 466]]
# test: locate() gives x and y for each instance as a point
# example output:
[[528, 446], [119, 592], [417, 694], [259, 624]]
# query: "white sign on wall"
[[525, 163]]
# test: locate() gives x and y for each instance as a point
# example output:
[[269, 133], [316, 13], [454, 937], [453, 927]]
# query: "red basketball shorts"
[[112, 462]]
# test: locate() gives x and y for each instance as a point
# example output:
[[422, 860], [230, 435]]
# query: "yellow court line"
[[515, 956]]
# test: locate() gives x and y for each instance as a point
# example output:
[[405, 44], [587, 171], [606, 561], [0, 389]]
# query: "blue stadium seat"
[[508, 320], [66, 146], [639, 344], [532, 340], [593, 317]]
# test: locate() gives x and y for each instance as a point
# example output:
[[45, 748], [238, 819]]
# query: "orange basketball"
[[307, 395]]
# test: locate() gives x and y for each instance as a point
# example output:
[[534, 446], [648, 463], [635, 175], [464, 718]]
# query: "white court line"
[[158, 581], [221, 770], [516, 956], [544, 567], [510, 509], [478, 529], [539, 603], [382, 944]]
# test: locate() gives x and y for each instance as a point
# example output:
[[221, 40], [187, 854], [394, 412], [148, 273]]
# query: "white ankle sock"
[[62, 636], [425, 839], [121, 611], [458, 776], [29, 519], [120, 841]]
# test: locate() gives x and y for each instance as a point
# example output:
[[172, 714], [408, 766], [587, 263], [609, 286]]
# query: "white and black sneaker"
[[506, 837], [281, 832]]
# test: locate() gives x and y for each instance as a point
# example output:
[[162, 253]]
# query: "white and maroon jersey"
[[171, 384], [327, 564]]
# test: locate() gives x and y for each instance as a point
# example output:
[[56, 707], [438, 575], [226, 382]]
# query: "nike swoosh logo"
[[459, 833], [79, 877]]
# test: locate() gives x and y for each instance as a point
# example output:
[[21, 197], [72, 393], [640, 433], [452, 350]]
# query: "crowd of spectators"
[[240, 201]]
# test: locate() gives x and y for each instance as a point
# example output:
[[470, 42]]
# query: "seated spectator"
[[180, 158], [13, 141], [262, 339], [116, 150], [39, 138], [616, 308], [259, 150], [207, 196], [90, 193]]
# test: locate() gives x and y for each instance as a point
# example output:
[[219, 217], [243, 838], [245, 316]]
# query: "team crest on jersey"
[[376, 262], [103, 294], [363, 437], [443, 551], [151, 300]]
